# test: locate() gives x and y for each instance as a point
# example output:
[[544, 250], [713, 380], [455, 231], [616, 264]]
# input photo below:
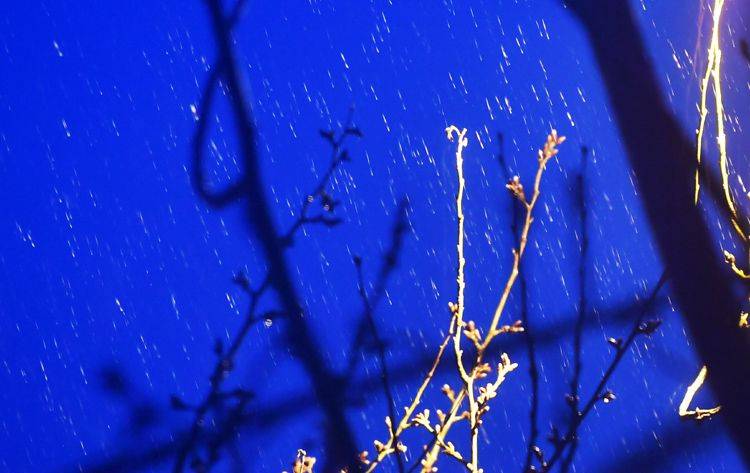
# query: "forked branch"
[[477, 397]]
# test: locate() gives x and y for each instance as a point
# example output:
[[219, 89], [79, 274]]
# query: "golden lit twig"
[[704, 96], [477, 397], [391, 446], [548, 152], [743, 323], [713, 74], [732, 262], [458, 308], [478, 404], [697, 413], [457, 327]]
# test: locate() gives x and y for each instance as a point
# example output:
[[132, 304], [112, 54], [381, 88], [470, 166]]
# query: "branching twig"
[[226, 359], [600, 393], [480, 369], [477, 397], [528, 332], [390, 447], [697, 413], [249, 187], [368, 325]]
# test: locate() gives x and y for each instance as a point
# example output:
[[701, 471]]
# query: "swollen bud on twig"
[[743, 323], [516, 188], [177, 403], [327, 135], [517, 327], [648, 327], [571, 400], [453, 308], [303, 463], [354, 131]]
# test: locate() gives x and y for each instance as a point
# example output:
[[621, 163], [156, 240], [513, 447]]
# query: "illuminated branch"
[[713, 71], [704, 98], [548, 152], [477, 397], [458, 324], [697, 413], [478, 404], [458, 309], [732, 262], [721, 137], [713, 74], [390, 447]]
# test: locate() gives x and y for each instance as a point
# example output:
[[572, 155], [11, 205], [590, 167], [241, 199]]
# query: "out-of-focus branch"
[[250, 189], [226, 358], [573, 397], [661, 157]]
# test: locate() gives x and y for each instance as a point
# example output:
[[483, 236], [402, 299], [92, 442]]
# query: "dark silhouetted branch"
[[368, 328], [662, 159], [573, 397], [528, 324], [641, 326], [267, 416], [250, 189]]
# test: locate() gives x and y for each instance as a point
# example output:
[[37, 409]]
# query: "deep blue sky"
[[110, 261]]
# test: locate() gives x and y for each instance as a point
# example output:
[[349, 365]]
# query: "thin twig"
[[478, 399], [573, 397], [528, 332], [640, 327], [368, 324], [390, 447], [477, 404]]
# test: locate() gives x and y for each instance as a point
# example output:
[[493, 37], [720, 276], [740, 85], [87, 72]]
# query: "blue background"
[[111, 265]]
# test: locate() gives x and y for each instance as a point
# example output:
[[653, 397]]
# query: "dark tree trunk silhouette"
[[662, 158], [328, 388]]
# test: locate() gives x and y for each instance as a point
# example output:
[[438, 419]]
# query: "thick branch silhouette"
[[249, 188], [663, 161]]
